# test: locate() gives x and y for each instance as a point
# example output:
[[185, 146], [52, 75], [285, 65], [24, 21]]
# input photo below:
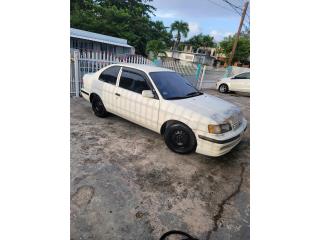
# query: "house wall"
[[204, 59], [191, 57], [83, 44]]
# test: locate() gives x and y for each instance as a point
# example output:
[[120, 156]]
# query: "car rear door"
[[130, 103], [109, 78]]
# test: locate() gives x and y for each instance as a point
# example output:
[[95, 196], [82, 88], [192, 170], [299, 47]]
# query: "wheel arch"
[[170, 122], [92, 95]]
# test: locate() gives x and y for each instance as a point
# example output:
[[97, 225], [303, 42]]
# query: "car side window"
[[133, 81], [110, 75], [245, 75]]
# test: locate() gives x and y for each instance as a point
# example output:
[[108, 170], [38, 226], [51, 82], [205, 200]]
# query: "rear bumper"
[[85, 94], [216, 147]]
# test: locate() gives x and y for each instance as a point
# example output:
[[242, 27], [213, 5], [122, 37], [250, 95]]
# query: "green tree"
[[159, 31], [156, 47], [201, 40], [242, 52], [181, 28], [119, 18]]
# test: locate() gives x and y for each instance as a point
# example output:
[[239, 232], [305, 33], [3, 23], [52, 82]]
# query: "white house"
[[89, 41], [203, 55]]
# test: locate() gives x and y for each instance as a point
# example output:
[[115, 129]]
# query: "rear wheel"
[[98, 107], [180, 138], [223, 88]]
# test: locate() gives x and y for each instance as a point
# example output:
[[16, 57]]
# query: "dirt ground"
[[126, 184]]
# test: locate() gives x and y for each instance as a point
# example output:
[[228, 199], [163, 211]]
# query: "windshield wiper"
[[192, 94], [173, 98]]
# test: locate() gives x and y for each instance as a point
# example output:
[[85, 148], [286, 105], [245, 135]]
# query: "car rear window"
[[110, 75]]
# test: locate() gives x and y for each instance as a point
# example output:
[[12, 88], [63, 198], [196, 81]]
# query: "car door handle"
[[118, 94]]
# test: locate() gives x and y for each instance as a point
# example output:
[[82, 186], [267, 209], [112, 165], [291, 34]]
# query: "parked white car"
[[237, 83], [163, 101]]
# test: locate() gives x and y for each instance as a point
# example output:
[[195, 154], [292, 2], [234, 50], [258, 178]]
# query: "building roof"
[[144, 67], [77, 33]]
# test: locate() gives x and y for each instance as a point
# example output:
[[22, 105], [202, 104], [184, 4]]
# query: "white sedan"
[[237, 83], [163, 101]]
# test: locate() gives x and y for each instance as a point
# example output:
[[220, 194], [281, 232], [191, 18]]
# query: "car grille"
[[236, 121], [236, 124]]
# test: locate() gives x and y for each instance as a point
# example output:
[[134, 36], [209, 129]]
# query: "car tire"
[[98, 107], [180, 138], [223, 88]]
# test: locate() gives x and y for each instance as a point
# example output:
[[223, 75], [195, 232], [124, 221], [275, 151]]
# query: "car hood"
[[213, 108]]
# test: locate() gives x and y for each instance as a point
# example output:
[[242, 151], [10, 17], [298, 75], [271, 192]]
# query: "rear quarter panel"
[[87, 81]]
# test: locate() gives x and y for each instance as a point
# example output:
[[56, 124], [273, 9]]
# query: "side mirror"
[[147, 94]]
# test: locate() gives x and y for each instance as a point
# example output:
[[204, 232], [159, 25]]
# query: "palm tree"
[[156, 47], [182, 28]]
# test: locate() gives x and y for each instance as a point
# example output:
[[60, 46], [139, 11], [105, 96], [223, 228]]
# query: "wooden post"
[[239, 31]]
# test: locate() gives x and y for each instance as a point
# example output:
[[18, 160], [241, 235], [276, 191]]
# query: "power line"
[[219, 5], [233, 6]]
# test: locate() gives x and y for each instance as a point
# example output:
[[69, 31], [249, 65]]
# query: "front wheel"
[[223, 88], [98, 107], [180, 138]]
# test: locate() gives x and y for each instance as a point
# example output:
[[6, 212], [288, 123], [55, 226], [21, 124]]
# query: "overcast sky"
[[212, 17]]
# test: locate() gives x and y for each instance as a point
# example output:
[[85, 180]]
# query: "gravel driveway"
[[126, 184]]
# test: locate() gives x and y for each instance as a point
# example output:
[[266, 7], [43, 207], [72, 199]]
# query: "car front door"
[[130, 103], [246, 84], [240, 82], [109, 78]]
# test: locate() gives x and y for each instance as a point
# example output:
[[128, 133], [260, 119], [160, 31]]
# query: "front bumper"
[[210, 146]]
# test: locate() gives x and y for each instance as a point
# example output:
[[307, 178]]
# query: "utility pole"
[[239, 31]]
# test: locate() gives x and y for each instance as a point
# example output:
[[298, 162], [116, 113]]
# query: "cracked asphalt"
[[126, 184]]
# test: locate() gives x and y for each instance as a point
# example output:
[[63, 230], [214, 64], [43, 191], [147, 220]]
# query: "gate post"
[[76, 72], [202, 76], [228, 71], [198, 71]]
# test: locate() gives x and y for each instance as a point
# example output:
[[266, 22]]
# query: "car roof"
[[144, 67]]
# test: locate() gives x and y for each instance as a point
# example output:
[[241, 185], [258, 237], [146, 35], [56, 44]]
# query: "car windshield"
[[173, 86]]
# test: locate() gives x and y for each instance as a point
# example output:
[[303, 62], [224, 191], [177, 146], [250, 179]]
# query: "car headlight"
[[221, 128]]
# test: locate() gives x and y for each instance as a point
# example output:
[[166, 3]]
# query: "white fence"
[[200, 76], [88, 62]]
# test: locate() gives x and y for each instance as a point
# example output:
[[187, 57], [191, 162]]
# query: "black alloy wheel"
[[98, 107], [180, 138]]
